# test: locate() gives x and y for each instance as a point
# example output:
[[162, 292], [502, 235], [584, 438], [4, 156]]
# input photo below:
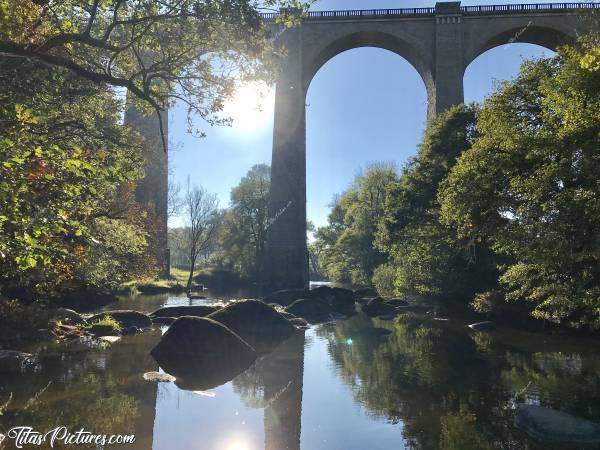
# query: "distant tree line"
[[233, 238], [500, 209]]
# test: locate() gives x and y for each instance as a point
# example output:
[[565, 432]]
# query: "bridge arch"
[[375, 39], [548, 35]]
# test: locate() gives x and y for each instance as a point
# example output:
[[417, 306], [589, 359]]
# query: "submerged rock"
[[202, 353], [556, 427], [125, 318], [377, 307], [313, 310], [483, 326], [255, 322], [179, 311]]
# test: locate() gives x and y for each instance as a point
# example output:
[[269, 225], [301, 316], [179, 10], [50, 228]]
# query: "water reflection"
[[356, 384]]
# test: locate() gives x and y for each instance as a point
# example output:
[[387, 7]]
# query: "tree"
[[426, 260], [345, 246], [186, 50], [201, 212], [67, 172], [529, 188], [246, 222]]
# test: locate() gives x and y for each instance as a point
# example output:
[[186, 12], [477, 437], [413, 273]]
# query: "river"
[[429, 384]]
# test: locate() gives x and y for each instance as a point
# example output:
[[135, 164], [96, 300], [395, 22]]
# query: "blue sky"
[[364, 105]]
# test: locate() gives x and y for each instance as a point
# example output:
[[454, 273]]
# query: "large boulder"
[[556, 427], [378, 307], [286, 297], [339, 299], [367, 292], [314, 310], [179, 311], [255, 322], [202, 353], [125, 318], [66, 316]]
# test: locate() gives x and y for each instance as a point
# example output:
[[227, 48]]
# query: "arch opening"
[[364, 105], [501, 62], [367, 39]]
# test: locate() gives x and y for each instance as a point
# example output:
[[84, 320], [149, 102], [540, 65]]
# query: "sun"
[[251, 106]]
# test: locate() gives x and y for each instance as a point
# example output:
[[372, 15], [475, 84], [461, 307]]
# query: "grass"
[[107, 321], [177, 280]]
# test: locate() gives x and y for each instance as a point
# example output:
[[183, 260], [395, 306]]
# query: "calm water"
[[427, 385]]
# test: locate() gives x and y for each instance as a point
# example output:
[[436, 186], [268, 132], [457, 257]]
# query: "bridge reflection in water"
[[260, 408]]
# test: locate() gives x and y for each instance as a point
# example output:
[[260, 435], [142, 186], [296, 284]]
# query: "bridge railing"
[[428, 12], [516, 8]]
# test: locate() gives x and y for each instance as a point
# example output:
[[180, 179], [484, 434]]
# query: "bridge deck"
[[482, 10]]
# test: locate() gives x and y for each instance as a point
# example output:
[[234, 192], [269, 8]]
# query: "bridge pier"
[[286, 255], [152, 191], [439, 42], [449, 66]]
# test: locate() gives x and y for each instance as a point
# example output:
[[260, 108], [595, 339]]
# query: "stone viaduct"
[[439, 42]]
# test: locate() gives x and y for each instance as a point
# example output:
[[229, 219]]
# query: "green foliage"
[[203, 48], [245, 223], [529, 187], [345, 246], [384, 279], [107, 321], [425, 255], [67, 167]]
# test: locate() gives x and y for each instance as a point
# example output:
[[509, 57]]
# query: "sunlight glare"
[[238, 445], [251, 106]]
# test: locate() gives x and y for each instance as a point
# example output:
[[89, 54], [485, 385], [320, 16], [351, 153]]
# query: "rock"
[[109, 339], [299, 322], [377, 307], [130, 330], [125, 318], [202, 353], [397, 302], [483, 326], [339, 299], [313, 310], [364, 300], [158, 377], [386, 316], [556, 427], [286, 297], [13, 361], [411, 308], [102, 330], [255, 322], [179, 311], [67, 317], [367, 292], [287, 315], [163, 320]]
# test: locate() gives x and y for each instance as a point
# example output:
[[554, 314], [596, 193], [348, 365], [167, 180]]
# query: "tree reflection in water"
[[452, 389]]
